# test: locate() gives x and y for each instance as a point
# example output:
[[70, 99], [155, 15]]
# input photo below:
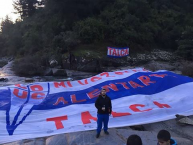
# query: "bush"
[[28, 66], [90, 30], [187, 69], [3, 63]]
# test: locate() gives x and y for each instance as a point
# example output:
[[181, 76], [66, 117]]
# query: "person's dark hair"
[[164, 135], [134, 140], [103, 89]]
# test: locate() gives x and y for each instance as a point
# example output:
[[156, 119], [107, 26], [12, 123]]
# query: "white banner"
[[117, 52], [138, 97]]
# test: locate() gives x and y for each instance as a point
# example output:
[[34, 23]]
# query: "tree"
[[27, 8], [6, 25], [185, 44]]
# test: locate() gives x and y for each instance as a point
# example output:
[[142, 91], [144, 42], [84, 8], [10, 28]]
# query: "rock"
[[138, 127], [118, 136], [29, 80], [154, 66], [183, 135], [66, 65], [89, 66], [59, 72], [15, 143], [183, 120], [10, 59], [3, 79], [48, 72], [57, 140], [53, 63]]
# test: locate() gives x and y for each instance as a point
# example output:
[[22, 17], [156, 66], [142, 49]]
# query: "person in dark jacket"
[[103, 104], [164, 138]]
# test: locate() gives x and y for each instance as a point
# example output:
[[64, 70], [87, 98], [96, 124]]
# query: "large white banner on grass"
[[138, 97]]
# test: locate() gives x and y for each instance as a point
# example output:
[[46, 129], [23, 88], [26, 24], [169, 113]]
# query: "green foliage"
[[29, 66], [90, 30], [185, 43], [60, 25], [26, 8], [187, 69]]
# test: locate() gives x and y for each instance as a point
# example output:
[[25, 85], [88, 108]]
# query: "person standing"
[[104, 106]]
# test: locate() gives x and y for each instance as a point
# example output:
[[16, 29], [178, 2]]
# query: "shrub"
[[3, 63], [28, 66], [187, 69]]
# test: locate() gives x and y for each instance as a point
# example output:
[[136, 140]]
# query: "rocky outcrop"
[[29, 80], [48, 72], [59, 72], [3, 79], [117, 136]]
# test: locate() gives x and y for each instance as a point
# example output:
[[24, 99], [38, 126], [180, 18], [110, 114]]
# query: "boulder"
[[89, 66], [183, 120], [48, 72], [29, 80], [138, 127], [57, 140], [3, 79], [53, 63], [59, 72]]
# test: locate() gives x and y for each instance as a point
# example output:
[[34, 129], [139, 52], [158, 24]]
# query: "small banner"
[[49, 108], [117, 52]]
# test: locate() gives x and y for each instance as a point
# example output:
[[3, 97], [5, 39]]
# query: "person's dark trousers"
[[102, 118]]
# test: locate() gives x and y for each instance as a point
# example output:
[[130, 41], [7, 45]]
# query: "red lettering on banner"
[[109, 50], [145, 80], [114, 52], [135, 109], [61, 99], [86, 117], [19, 85], [16, 93], [122, 52], [58, 84], [135, 85], [110, 86], [93, 94], [134, 70], [74, 100], [119, 73], [85, 82], [94, 79], [69, 84], [126, 52], [119, 50], [35, 96], [124, 85], [106, 74], [58, 121], [36, 88], [145, 70], [158, 75], [115, 114], [161, 105]]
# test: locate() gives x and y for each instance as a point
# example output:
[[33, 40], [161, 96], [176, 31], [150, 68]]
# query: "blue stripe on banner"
[[118, 48], [169, 81], [117, 56], [120, 90]]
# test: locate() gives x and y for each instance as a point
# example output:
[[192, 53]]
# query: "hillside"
[[49, 27]]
